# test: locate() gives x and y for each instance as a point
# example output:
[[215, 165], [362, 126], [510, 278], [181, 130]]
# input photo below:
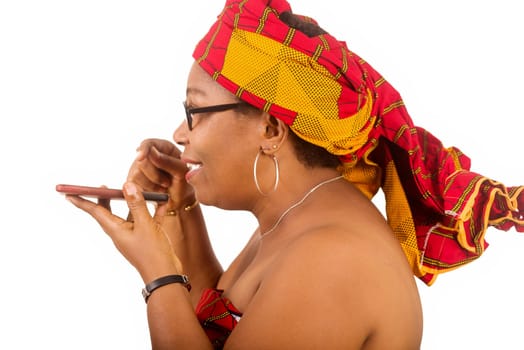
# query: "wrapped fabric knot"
[[438, 209]]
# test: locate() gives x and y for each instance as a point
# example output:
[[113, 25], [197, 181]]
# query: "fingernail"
[[139, 154], [130, 189]]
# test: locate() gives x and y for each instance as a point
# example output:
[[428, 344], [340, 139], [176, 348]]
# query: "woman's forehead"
[[200, 84]]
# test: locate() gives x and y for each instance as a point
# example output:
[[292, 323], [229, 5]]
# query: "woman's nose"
[[180, 134]]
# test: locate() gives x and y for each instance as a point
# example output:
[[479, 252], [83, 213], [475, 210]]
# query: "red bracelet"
[[162, 281]]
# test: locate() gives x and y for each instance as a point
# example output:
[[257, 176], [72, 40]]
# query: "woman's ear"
[[275, 132]]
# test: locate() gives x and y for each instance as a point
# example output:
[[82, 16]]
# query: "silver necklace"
[[275, 225]]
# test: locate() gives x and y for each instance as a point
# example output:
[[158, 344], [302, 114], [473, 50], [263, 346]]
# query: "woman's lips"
[[193, 169]]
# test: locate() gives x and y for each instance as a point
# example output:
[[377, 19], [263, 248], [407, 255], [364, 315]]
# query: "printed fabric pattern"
[[438, 209], [217, 315]]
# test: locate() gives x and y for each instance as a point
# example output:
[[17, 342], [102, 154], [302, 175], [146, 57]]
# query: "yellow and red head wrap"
[[437, 208]]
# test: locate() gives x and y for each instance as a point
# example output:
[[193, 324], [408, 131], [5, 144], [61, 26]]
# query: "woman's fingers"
[[158, 168], [168, 163], [109, 222], [156, 163], [136, 204], [148, 176], [142, 242], [105, 202], [152, 253], [163, 146]]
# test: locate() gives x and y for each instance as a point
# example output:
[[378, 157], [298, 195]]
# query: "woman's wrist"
[[192, 204], [158, 266], [163, 281]]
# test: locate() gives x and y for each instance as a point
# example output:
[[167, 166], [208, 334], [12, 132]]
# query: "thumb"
[[136, 203]]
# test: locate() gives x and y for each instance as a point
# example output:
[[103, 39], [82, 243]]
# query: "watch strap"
[[162, 281]]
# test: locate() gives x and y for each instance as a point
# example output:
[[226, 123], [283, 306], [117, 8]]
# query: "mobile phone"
[[106, 193]]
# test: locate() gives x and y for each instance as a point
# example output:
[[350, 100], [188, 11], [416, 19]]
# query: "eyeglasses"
[[209, 109]]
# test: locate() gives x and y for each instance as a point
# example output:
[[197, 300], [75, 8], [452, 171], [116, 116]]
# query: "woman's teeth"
[[193, 166]]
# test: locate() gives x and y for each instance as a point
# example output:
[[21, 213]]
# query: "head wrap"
[[438, 209]]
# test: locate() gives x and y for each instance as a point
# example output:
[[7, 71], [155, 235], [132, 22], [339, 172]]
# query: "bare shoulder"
[[334, 289]]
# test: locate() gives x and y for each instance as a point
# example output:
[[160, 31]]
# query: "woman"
[[284, 121]]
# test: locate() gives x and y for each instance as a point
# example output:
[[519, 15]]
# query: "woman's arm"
[[172, 320], [158, 168], [144, 243], [188, 235]]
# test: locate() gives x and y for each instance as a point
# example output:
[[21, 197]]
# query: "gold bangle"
[[189, 207]]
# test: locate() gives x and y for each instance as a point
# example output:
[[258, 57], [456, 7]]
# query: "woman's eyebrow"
[[194, 91]]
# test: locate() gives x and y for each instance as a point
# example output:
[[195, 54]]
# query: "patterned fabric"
[[438, 209], [217, 315]]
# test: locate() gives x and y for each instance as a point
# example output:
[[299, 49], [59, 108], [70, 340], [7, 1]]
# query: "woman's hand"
[[158, 168], [142, 242]]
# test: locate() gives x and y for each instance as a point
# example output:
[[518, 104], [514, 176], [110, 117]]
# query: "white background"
[[83, 82]]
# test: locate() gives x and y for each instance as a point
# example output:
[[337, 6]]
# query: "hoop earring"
[[277, 174]]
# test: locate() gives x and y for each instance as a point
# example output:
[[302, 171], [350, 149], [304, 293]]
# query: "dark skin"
[[337, 283]]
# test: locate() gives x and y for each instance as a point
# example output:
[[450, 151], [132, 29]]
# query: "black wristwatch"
[[162, 281]]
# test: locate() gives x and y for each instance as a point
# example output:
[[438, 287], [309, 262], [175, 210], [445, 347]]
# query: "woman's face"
[[221, 147]]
